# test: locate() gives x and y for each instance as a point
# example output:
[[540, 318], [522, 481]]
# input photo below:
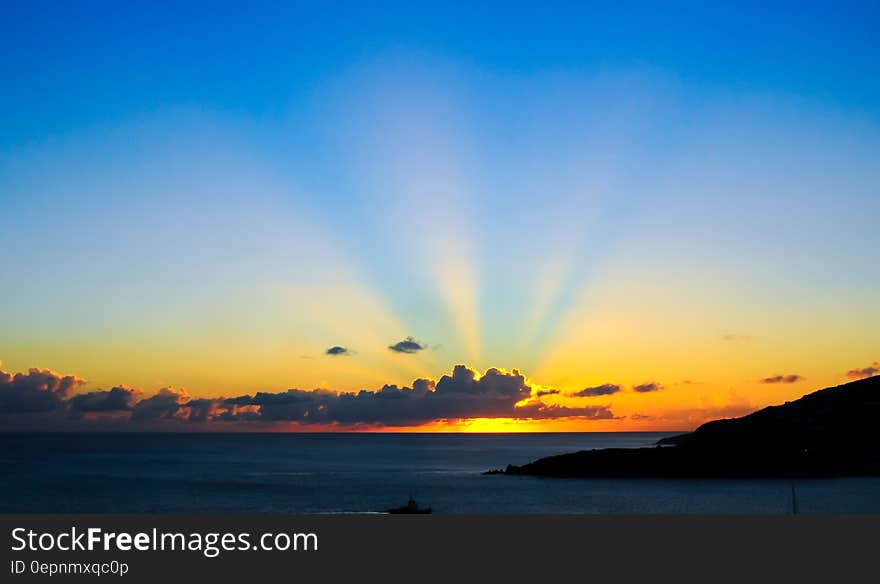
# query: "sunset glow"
[[226, 226]]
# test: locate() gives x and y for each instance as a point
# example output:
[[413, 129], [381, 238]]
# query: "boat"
[[411, 508]]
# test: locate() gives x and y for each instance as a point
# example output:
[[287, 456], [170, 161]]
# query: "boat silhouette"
[[411, 508]]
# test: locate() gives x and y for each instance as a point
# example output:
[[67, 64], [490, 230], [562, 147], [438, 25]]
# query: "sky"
[[442, 217]]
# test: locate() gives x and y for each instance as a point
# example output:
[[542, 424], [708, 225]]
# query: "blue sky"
[[70, 65], [210, 195]]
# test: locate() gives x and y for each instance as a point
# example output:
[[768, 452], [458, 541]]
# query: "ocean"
[[362, 473]]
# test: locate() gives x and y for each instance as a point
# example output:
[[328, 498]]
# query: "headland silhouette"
[[831, 432]]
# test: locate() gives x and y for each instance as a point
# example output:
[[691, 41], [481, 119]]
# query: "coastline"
[[832, 432]]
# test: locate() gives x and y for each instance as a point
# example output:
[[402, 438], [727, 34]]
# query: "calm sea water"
[[355, 473]]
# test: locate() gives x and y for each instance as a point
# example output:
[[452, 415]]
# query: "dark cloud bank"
[[37, 391], [43, 399], [118, 399]]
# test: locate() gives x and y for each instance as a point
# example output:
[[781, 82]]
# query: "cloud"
[[457, 396], [166, 404], [791, 378], [462, 394], [117, 399], [604, 389], [408, 345], [732, 338], [864, 372], [38, 390], [647, 387], [337, 351], [202, 410]]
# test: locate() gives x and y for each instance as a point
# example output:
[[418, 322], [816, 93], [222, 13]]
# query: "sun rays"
[[588, 228]]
